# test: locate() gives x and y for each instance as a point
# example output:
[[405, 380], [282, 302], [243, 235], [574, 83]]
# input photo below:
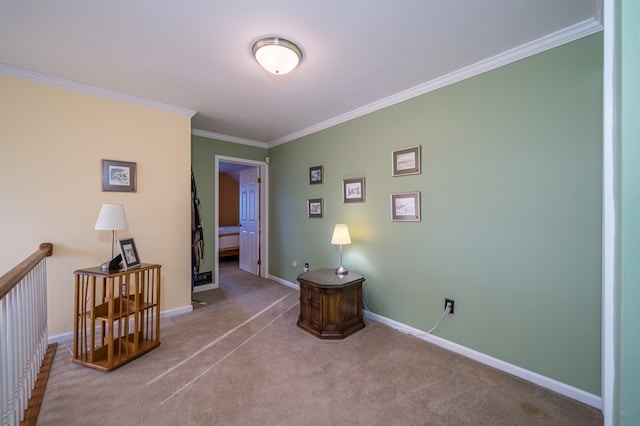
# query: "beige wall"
[[52, 142]]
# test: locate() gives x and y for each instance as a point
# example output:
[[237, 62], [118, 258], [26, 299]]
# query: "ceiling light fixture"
[[276, 55]]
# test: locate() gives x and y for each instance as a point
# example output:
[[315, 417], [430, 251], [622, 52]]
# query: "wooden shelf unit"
[[117, 315]]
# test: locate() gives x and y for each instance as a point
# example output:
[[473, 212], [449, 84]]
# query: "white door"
[[250, 220]]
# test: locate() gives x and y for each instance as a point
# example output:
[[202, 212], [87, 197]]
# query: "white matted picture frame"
[[406, 161], [353, 190], [315, 208], [405, 207], [129, 253], [118, 176]]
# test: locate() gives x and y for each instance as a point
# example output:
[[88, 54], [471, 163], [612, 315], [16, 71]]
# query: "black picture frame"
[[405, 207], [316, 174], [353, 190], [406, 161], [129, 253], [119, 176], [315, 208]]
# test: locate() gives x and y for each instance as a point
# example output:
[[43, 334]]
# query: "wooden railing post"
[[23, 334]]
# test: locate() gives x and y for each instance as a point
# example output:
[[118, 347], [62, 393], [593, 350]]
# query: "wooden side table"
[[330, 304], [117, 315]]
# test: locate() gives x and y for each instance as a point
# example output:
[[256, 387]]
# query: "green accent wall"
[[203, 155], [629, 287], [511, 211]]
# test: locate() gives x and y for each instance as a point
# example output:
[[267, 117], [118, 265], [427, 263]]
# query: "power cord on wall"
[[364, 305], [447, 309]]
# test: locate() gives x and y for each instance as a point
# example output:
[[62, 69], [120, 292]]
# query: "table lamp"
[[111, 218], [340, 237]]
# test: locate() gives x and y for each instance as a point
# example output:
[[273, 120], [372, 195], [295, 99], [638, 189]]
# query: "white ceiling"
[[195, 55]]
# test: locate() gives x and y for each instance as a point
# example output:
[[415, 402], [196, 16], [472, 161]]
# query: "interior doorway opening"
[[240, 222]]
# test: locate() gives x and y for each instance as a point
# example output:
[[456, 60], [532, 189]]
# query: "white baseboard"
[[538, 379], [68, 336], [60, 338], [176, 311], [204, 287], [284, 282]]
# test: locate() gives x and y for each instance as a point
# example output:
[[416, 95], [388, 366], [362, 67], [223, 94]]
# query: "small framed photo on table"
[[129, 253]]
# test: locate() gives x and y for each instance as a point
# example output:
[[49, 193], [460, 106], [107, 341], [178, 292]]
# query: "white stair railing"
[[23, 333]]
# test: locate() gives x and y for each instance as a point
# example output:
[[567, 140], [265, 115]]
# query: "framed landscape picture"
[[353, 190], [406, 161], [118, 176], [405, 207]]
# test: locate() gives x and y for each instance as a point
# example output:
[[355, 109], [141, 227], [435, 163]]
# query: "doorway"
[[252, 202]]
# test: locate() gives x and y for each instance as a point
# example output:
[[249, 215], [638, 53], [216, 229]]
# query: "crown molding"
[[566, 35], [22, 74], [599, 12], [227, 138]]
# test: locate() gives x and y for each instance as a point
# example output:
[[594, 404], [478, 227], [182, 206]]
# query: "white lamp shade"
[[341, 235], [111, 218]]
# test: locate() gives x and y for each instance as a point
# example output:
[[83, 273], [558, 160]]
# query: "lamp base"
[[112, 265], [342, 270]]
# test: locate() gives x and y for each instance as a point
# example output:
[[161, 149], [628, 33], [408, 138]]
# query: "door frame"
[[263, 210]]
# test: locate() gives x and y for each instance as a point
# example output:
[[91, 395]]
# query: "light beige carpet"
[[241, 360]]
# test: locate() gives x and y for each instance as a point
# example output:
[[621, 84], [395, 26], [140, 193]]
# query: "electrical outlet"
[[449, 301], [306, 267], [294, 263]]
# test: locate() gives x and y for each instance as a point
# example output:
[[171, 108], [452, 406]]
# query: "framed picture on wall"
[[315, 208], [406, 161], [405, 207], [353, 190], [315, 174], [118, 176]]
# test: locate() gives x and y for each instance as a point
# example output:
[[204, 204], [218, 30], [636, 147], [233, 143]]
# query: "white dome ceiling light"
[[277, 55]]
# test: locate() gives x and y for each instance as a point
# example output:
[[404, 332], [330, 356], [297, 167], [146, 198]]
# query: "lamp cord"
[[446, 311]]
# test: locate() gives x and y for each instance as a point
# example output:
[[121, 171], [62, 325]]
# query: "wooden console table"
[[330, 304], [117, 315]]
